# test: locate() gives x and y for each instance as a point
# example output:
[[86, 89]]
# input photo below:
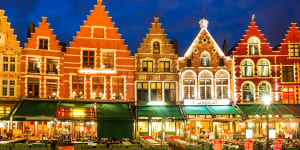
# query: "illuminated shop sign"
[[207, 102], [92, 71]]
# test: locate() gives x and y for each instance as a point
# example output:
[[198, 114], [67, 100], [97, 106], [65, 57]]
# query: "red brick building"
[[255, 68]]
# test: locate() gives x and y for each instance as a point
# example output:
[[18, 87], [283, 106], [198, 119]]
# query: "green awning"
[[160, 111], [262, 109], [114, 111], [294, 109], [222, 110], [36, 110], [195, 110], [77, 105]]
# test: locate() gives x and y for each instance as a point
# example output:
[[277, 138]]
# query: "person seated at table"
[[290, 139]]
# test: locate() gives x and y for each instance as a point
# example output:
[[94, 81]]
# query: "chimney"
[[63, 47], [224, 47], [175, 45], [31, 29]]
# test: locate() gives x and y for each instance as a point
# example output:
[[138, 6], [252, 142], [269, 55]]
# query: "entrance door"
[[156, 128]]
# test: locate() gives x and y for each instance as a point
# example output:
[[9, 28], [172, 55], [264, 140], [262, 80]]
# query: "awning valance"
[[160, 111], [223, 110], [262, 109], [114, 111], [195, 110]]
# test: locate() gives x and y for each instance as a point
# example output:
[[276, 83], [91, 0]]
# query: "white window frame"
[[222, 86]]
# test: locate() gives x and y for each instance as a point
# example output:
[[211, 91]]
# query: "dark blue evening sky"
[[228, 18]]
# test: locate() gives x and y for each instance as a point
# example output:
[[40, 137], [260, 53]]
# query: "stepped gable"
[[156, 33], [292, 36], [253, 30], [8, 40], [99, 26], [43, 31]]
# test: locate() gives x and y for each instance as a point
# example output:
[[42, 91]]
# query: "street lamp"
[[267, 101]]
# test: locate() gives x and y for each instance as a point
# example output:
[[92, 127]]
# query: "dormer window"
[[294, 50], [156, 47], [253, 46], [205, 59], [43, 44], [189, 63]]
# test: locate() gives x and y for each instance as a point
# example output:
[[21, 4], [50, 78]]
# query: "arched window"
[[189, 85], [156, 47], [205, 59], [248, 92], [263, 67], [264, 89], [222, 84], [205, 84], [253, 46], [247, 68]]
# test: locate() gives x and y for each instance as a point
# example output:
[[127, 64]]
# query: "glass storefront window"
[[143, 126]]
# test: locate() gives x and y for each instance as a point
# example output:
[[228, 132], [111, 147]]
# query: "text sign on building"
[[207, 102], [248, 145], [277, 144], [218, 145]]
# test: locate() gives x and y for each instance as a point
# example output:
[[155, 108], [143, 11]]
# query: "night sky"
[[228, 18]]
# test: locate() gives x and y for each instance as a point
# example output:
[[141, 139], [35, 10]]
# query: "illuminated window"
[[98, 87], [78, 86], [147, 66], [156, 91], [222, 84], [205, 85], [253, 46], [294, 50], [189, 85], [205, 59], [52, 66], [43, 44], [263, 68], [88, 59], [108, 60], [33, 65], [248, 92], [288, 95], [164, 66], [170, 91], [9, 64], [264, 89], [33, 87], [287, 73], [51, 88], [118, 88], [142, 91], [247, 68], [156, 47]]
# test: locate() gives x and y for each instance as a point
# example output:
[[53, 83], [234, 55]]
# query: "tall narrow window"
[[222, 84], [8, 88], [142, 91], [33, 87], [43, 44], [4, 87], [263, 68], [288, 95], [264, 89], [108, 60], [118, 88], [205, 59], [189, 85], [51, 88], [294, 50], [33, 65], [189, 63], [9, 64], [205, 85], [253, 46], [247, 68], [78, 86], [88, 59], [156, 47], [248, 92], [52, 66], [98, 87], [147, 66], [164, 66], [156, 91], [12, 85], [221, 62], [288, 73], [170, 91]]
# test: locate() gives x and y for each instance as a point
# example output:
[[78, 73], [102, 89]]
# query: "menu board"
[[218, 145], [248, 145], [277, 144], [272, 133], [249, 133]]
